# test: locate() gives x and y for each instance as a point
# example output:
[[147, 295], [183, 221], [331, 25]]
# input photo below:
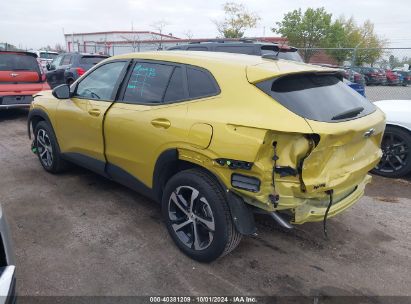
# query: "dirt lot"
[[80, 234], [375, 93]]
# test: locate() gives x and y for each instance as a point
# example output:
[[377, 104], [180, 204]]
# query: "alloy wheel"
[[44, 148], [395, 153], [191, 218]]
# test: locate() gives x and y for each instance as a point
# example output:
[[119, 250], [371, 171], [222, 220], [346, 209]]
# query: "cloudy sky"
[[32, 24]]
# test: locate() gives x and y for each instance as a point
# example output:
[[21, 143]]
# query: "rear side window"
[[18, 62], [200, 83], [91, 59], [148, 83], [175, 90], [249, 50], [318, 97]]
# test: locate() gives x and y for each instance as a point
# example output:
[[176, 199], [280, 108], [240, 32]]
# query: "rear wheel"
[[396, 148], [47, 148], [197, 216]]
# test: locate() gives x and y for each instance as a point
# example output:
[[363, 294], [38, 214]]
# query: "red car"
[[21, 77], [392, 77]]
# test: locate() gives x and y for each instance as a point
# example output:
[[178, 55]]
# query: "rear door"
[[147, 120], [79, 120]]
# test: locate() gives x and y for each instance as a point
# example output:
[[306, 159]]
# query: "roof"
[[20, 52], [258, 68], [122, 32]]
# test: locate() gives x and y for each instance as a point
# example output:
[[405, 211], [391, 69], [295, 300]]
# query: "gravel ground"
[[375, 93], [80, 234]]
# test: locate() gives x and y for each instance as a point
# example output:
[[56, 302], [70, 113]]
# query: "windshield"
[[320, 97], [18, 62], [46, 55]]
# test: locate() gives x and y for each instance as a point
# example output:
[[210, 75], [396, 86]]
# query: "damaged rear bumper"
[[314, 210]]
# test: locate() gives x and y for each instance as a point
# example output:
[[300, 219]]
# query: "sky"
[[33, 24]]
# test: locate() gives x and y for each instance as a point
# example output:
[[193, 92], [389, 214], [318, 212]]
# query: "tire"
[[47, 148], [396, 159], [209, 231]]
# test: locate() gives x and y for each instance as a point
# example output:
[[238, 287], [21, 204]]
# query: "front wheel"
[[396, 158], [198, 217], [47, 148]]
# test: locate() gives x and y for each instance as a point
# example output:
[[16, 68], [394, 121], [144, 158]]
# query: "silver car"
[[7, 264]]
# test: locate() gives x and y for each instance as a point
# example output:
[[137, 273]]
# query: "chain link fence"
[[384, 72]]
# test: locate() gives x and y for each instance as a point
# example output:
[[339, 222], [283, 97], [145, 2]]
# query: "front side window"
[[66, 60], [148, 83], [101, 83], [317, 97], [56, 62]]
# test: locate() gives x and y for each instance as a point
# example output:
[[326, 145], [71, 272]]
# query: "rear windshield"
[[91, 59], [18, 62], [45, 55], [320, 97]]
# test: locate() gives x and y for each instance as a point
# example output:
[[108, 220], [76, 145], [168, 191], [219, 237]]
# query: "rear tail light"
[[80, 71]]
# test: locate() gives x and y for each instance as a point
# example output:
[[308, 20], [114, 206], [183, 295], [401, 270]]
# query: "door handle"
[[94, 112], [161, 123]]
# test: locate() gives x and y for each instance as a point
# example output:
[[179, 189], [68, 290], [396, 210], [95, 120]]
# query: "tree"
[[370, 44], [159, 27], [306, 31], [237, 20]]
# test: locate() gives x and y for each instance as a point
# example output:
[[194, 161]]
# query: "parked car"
[[372, 75], [245, 46], [396, 142], [406, 77], [359, 88], [215, 137], [20, 78], [354, 76], [7, 264], [392, 77], [67, 68], [45, 57]]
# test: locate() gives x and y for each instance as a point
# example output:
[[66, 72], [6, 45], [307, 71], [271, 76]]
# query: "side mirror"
[[61, 92], [48, 66]]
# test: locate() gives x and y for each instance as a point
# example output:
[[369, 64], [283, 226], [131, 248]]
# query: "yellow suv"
[[215, 137]]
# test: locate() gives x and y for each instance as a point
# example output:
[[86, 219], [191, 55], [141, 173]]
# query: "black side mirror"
[[62, 92], [48, 66]]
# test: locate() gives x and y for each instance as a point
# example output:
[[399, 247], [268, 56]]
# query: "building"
[[121, 42], [115, 42]]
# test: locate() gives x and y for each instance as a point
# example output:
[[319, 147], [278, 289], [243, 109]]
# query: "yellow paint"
[[240, 123]]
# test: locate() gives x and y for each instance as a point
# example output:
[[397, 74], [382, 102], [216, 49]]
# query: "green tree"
[[306, 30], [237, 20], [369, 43]]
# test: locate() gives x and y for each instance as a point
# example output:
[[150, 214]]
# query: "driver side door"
[[80, 119]]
